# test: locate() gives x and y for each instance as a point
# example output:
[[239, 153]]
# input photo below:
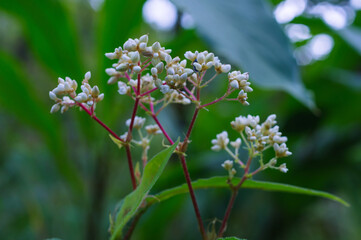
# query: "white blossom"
[[138, 122], [220, 142]]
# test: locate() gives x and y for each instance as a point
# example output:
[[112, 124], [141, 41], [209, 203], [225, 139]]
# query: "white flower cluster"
[[239, 80], [203, 61], [129, 57], [172, 96], [258, 137], [177, 73], [65, 94]]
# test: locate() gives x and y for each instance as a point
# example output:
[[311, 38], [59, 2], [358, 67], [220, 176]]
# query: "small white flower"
[[240, 123], [87, 76], [283, 168], [228, 165], [236, 144], [55, 108], [164, 89], [138, 122], [221, 142], [153, 129], [123, 88], [281, 150]]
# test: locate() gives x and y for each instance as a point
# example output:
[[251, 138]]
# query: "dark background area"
[[60, 175]]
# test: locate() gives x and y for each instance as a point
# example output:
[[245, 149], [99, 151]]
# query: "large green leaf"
[[50, 33], [132, 202], [221, 182], [18, 97], [352, 35], [246, 33]]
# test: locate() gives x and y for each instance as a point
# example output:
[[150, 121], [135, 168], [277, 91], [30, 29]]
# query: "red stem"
[[162, 129], [131, 169], [193, 197], [228, 213], [233, 197], [100, 122]]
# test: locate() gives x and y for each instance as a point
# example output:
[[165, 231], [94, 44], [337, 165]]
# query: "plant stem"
[[227, 213], [193, 197], [233, 197], [130, 163], [100, 122]]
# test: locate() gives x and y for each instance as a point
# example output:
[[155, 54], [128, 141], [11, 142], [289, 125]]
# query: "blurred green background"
[[60, 175]]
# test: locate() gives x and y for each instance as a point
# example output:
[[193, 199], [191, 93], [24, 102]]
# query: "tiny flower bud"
[[144, 38], [234, 84], [111, 56], [55, 108], [52, 96], [122, 67], [228, 164], [160, 67], [137, 69], [134, 57], [226, 68], [154, 71], [87, 76], [95, 92], [156, 47]]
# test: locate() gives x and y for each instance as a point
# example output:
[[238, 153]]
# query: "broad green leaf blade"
[[19, 98], [50, 33], [132, 202], [221, 182], [246, 33], [352, 35]]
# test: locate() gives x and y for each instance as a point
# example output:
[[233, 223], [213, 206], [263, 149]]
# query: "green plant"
[[155, 80]]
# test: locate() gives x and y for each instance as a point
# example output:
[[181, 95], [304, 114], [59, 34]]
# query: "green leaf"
[[352, 35], [221, 182], [132, 202], [50, 33], [246, 33], [116, 141], [19, 98], [231, 238]]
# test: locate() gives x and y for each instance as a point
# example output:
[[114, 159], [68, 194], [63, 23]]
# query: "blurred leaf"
[[352, 35], [116, 141], [221, 182], [132, 202], [117, 19], [19, 98], [50, 33], [260, 48], [346, 78]]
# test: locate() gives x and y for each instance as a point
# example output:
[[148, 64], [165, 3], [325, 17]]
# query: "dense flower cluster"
[[66, 97], [257, 138]]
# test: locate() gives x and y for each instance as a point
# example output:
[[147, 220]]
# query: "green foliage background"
[[61, 176]]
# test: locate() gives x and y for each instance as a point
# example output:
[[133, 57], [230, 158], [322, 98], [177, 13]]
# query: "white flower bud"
[[234, 84], [130, 45], [52, 96], [137, 69], [112, 80], [236, 144], [100, 97], [142, 46], [168, 59], [209, 57], [189, 55], [164, 89], [111, 56], [134, 56], [197, 66], [55, 108], [201, 58], [170, 71], [144, 38], [95, 92], [225, 68], [160, 67], [122, 67], [154, 71], [228, 165], [283, 168], [87, 76], [110, 71], [137, 123], [156, 47]]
